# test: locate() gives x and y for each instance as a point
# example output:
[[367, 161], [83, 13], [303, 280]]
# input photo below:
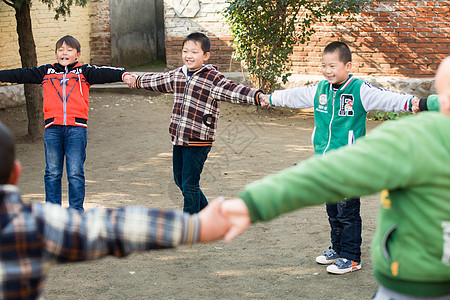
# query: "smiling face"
[[66, 55], [334, 70], [193, 55]]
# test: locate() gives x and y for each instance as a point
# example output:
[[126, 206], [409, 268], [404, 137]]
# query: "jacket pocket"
[[385, 245]]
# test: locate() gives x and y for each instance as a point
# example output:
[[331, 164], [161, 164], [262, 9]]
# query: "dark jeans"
[[69, 142], [345, 222], [187, 166]]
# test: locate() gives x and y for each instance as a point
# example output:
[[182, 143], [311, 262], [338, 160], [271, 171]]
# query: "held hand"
[[238, 217], [213, 225], [130, 80], [264, 100], [415, 105]]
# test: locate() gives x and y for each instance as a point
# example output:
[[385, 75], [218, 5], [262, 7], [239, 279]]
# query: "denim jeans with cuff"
[[345, 222], [187, 166], [69, 142]]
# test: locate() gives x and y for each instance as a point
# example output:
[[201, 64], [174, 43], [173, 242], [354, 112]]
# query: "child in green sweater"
[[408, 161]]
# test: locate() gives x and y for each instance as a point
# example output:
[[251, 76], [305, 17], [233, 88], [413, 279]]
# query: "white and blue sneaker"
[[343, 265], [328, 257]]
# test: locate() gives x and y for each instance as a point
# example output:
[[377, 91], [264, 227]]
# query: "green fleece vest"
[[340, 117]]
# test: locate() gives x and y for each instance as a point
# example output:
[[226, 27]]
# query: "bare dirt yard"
[[129, 163]]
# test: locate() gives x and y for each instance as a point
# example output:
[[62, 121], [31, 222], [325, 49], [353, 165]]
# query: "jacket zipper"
[[182, 106], [182, 102], [64, 96], [329, 126]]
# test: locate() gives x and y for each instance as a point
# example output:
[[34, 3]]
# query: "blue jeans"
[[71, 142], [345, 222], [187, 166]]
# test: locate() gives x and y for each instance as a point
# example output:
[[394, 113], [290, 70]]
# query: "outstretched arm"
[[25, 75], [67, 235], [227, 90], [157, 82]]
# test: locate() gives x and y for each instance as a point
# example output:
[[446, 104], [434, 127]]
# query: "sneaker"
[[328, 257], [343, 265]]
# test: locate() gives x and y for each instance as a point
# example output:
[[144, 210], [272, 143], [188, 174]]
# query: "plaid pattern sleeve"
[[227, 90], [70, 236], [32, 237], [157, 82]]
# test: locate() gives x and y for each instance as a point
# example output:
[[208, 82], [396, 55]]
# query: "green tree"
[[27, 51], [266, 31]]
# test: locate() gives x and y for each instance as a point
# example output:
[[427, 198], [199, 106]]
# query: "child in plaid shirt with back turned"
[[197, 88]]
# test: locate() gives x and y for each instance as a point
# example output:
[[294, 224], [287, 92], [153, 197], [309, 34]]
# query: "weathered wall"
[[208, 20], [100, 37], [137, 32], [46, 31], [394, 38]]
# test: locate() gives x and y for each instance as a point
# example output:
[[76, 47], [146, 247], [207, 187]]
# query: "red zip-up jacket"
[[66, 89]]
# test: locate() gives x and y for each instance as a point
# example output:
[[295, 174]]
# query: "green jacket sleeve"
[[430, 103], [382, 160]]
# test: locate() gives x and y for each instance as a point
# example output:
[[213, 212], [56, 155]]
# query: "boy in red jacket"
[[66, 86]]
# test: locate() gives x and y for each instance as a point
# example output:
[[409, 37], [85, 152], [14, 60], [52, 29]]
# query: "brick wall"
[[46, 31], [100, 38], [394, 38], [207, 21]]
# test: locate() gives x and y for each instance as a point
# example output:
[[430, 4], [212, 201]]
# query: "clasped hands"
[[223, 219]]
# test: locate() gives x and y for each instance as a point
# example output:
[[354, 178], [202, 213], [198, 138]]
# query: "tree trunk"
[[33, 92]]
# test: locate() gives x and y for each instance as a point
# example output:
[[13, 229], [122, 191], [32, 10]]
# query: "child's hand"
[[238, 216], [130, 80], [213, 225], [415, 105], [264, 100]]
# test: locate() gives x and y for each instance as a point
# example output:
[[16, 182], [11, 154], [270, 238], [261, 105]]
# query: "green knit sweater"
[[409, 162]]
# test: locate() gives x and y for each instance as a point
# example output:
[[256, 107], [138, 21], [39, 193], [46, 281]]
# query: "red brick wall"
[[100, 33], [221, 51], [394, 38]]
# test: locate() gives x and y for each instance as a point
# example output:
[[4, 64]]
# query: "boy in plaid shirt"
[[198, 90], [35, 236]]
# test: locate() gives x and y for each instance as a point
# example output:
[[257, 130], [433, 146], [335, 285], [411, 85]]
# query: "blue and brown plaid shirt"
[[197, 101], [32, 237]]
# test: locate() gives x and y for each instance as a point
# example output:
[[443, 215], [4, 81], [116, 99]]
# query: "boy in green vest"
[[341, 103]]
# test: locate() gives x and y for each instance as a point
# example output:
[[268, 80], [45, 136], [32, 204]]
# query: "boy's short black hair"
[[7, 153], [70, 41], [345, 55], [201, 38]]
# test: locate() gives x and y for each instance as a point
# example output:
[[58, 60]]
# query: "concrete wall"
[[137, 32]]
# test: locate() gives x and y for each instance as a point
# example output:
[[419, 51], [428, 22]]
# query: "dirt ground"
[[129, 163]]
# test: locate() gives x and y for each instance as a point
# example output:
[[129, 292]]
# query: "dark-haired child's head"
[[195, 51], [68, 50], [7, 154], [202, 39], [336, 62], [69, 41]]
